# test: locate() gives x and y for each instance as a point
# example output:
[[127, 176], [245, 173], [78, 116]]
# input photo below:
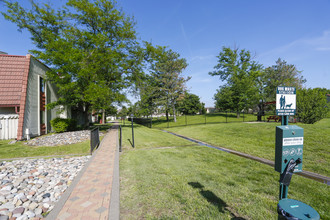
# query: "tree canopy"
[[312, 104], [190, 104], [164, 84], [90, 46], [239, 71], [280, 74]]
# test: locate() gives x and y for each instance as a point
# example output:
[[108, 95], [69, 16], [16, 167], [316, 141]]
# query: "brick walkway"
[[94, 193]]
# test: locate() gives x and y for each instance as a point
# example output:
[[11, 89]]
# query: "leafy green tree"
[[149, 95], [312, 105], [90, 46], [280, 74], [223, 98], [190, 104], [241, 74], [168, 84], [123, 112]]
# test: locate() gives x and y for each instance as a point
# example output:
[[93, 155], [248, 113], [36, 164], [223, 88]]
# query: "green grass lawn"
[[20, 149], [149, 138], [258, 139], [166, 177], [201, 119]]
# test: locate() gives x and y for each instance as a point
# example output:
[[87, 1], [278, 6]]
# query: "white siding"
[[31, 115], [32, 107], [8, 126]]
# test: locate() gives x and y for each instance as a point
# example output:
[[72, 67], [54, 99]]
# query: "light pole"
[[132, 130]]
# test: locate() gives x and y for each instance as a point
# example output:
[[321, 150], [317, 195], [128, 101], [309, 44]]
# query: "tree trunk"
[[174, 115], [166, 115], [85, 115], [103, 116], [238, 114]]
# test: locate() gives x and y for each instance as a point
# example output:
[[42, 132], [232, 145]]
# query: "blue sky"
[[297, 31]]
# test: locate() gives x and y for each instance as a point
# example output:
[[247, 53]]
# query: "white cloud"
[[298, 49]]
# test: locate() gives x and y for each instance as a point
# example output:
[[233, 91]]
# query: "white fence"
[[8, 127]]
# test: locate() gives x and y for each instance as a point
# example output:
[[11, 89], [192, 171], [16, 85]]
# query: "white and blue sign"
[[285, 101]]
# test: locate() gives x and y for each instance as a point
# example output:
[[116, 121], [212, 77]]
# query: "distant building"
[[24, 94], [210, 110]]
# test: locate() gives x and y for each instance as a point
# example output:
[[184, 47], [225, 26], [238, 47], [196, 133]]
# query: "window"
[[42, 85], [42, 117]]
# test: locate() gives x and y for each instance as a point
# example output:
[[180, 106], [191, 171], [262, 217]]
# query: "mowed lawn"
[[258, 139], [20, 149], [170, 178], [202, 119]]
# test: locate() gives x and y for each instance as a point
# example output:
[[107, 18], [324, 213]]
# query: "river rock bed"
[[30, 188], [60, 138]]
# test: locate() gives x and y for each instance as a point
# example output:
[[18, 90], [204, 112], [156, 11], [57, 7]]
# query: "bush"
[[312, 105], [60, 125]]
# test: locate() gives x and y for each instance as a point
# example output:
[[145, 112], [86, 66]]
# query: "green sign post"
[[289, 156]]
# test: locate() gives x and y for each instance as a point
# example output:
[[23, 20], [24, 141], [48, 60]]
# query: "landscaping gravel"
[[60, 138], [30, 188]]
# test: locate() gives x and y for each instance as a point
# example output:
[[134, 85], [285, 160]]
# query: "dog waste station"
[[289, 157]]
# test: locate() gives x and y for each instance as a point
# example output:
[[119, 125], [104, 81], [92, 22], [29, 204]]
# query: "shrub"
[[312, 105], [60, 125]]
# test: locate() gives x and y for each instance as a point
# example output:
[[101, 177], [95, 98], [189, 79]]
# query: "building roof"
[[13, 71]]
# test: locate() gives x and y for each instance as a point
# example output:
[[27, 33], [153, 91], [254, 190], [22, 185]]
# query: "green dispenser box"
[[289, 145]]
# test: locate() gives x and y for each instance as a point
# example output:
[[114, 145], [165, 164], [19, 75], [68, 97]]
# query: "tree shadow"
[[214, 199]]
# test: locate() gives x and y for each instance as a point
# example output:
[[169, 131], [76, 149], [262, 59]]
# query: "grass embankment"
[[259, 140], [20, 149], [194, 182]]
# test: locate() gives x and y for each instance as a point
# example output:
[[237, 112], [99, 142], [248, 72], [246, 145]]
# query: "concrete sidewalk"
[[94, 194]]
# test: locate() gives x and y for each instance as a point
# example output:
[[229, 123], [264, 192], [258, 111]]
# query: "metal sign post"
[[132, 130], [289, 156]]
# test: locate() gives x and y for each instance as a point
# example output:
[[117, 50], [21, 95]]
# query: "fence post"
[[243, 116], [186, 119], [132, 130], [120, 139]]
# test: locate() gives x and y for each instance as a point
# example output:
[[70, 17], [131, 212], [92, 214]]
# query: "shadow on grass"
[[213, 199]]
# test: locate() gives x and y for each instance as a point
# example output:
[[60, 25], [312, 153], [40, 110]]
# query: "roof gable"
[[12, 69]]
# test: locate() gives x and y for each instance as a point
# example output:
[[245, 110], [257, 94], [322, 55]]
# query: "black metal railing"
[[210, 118], [95, 139]]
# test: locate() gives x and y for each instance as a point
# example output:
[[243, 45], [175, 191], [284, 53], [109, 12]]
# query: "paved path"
[[95, 192]]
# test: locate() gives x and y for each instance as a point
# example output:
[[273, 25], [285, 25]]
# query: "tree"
[[165, 68], [149, 95], [312, 105], [90, 46], [123, 112], [190, 104], [223, 98], [241, 75], [281, 74]]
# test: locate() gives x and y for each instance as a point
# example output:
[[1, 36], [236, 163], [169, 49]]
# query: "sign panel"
[[285, 101], [293, 141]]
